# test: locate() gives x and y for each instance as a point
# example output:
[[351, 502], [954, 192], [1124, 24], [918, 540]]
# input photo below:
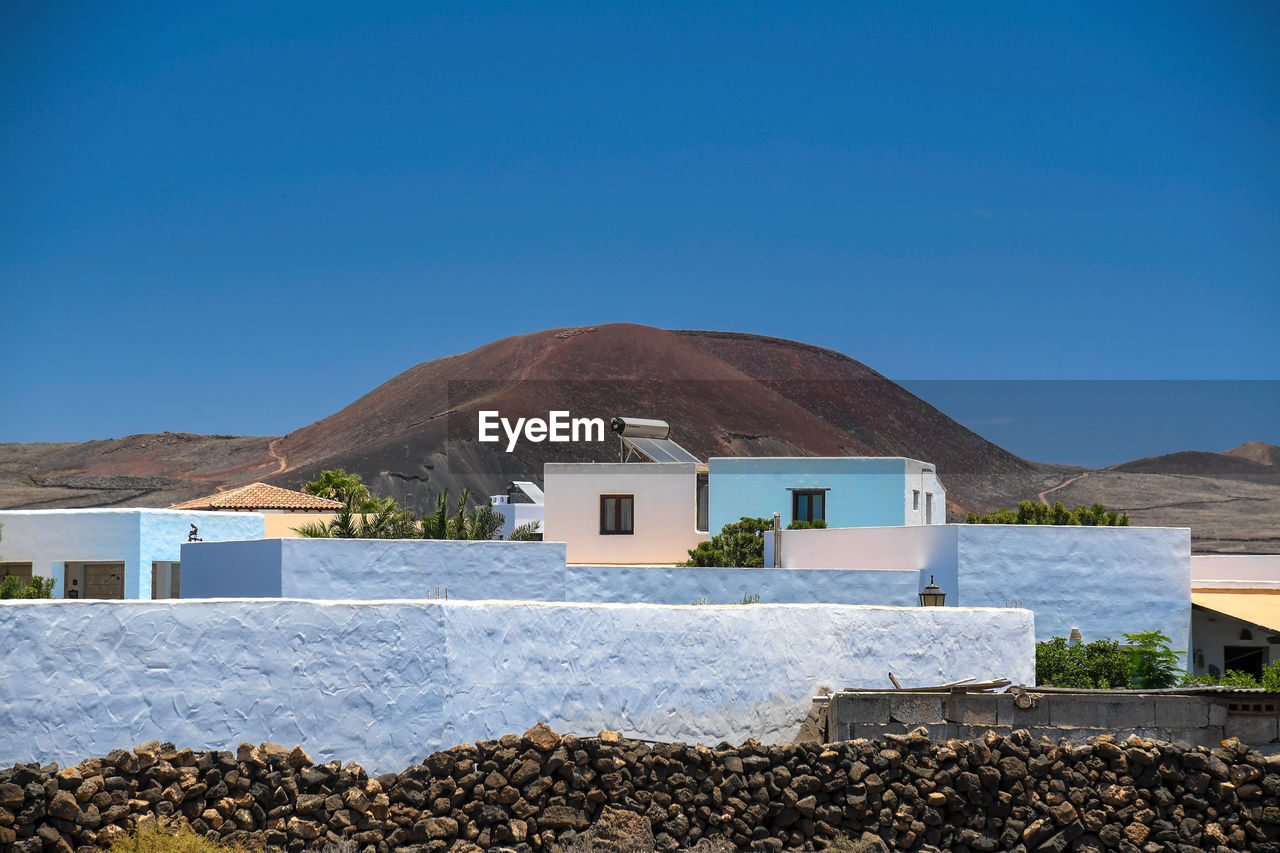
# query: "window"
[[809, 505], [915, 499], [616, 515], [21, 571], [701, 492]]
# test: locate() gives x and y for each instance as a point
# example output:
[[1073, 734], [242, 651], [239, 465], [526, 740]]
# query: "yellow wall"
[[280, 524]]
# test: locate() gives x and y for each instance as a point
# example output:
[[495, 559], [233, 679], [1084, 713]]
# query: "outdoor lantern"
[[932, 595]]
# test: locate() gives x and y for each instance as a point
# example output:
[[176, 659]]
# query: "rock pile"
[[540, 790]]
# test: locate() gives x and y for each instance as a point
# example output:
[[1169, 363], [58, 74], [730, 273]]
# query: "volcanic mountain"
[[724, 394]]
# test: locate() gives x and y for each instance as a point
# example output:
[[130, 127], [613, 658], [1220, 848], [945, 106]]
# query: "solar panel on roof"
[[659, 449]]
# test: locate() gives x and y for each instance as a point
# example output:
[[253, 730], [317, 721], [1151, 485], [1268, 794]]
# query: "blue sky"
[[239, 218]]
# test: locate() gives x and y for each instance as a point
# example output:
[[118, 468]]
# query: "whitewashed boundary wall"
[[676, 585], [362, 569], [356, 569], [1107, 581], [385, 683]]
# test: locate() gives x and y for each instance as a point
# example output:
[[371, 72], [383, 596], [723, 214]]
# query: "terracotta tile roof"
[[260, 496]]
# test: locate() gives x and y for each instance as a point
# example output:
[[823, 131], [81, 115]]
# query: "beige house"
[[284, 509]]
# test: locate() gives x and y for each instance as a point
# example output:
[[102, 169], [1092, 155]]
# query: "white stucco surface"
[[136, 537], [385, 683], [924, 550], [1212, 632], [363, 569], [378, 569], [1228, 571], [1107, 581], [672, 585], [666, 511]]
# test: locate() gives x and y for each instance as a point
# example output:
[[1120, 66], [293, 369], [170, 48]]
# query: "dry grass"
[[156, 837]]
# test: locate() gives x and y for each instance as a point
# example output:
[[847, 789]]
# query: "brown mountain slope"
[[1202, 464], [1257, 451], [153, 469], [724, 394]]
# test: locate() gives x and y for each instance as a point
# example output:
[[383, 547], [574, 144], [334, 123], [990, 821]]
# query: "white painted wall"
[[1211, 631], [1240, 571], [675, 585], [517, 514], [665, 511], [386, 683], [1107, 581], [922, 477], [357, 569], [374, 569], [136, 537]]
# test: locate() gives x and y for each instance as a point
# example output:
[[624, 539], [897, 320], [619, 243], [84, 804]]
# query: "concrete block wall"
[[1193, 720]]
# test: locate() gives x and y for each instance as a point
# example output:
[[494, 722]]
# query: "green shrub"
[[740, 544], [1271, 676], [1235, 678], [36, 587], [816, 524], [1033, 512], [1152, 664], [1098, 665]]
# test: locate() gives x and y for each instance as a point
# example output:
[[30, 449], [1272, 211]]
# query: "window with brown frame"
[[616, 515], [809, 504]]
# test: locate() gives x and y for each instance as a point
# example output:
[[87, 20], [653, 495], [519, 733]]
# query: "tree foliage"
[[739, 544], [1097, 665], [1033, 512], [527, 532], [480, 522], [338, 485], [34, 587], [1143, 662], [382, 518], [1152, 664]]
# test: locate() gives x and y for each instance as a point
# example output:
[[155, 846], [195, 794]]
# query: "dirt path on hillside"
[[274, 450], [1044, 496]]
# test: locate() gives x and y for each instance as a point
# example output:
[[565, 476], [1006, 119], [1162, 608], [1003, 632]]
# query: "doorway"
[[93, 580], [1248, 659]]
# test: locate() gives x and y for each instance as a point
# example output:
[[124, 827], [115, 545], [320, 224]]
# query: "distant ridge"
[[1257, 451], [724, 394], [1199, 463]]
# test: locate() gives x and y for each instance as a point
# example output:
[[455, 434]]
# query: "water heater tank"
[[640, 427]]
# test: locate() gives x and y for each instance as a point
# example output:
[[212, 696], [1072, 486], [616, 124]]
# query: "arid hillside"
[[723, 394]]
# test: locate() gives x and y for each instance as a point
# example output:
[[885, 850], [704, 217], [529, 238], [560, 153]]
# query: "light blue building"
[[113, 553], [844, 491]]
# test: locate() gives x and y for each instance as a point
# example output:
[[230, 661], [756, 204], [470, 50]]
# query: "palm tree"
[[338, 485], [481, 522], [376, 518]]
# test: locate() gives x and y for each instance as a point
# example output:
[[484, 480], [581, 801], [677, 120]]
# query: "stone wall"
[[1180, 718], [540, 792]]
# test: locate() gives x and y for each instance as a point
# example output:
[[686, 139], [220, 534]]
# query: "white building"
[[113, 553], [623, 512], [1235, 618], [523, 503]]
